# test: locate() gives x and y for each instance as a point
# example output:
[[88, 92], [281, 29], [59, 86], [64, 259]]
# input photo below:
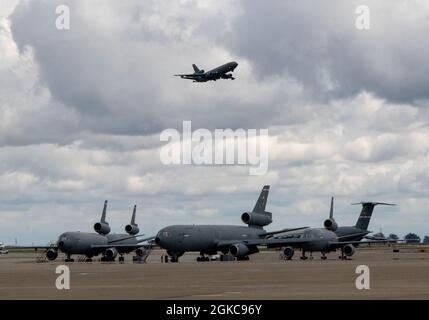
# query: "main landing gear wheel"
[[303, 257], [246, 258], [343, 256], [203, 259], [121, 259]]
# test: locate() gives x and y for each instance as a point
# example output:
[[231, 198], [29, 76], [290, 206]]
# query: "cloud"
[[81, 112], [318, 45]]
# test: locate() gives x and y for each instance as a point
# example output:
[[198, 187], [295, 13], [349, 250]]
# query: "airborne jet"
[[93, 244], [331, 237], [215, 74], [209, 239]]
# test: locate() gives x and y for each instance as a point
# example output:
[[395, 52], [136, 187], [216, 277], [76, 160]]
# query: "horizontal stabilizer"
[[374, 203]]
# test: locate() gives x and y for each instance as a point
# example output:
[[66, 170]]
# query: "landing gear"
[[311, 255], [121, 259], [68, 259], [246, 258], [323, 257], [106, 259], [203, 258], [174, 259], [343, 256], [303, 257]]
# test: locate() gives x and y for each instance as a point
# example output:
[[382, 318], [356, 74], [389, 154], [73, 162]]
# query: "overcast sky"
[[81, 112]]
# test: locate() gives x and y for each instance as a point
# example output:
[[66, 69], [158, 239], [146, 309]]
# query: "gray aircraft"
[[330, 238], [93, 244], [315, 240], [360, 229], [210, 239], [215, 74]]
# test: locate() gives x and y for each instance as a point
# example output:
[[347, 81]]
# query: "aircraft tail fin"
[[366, 213], [196, 68], [103, 215], [133, 227], [133, 217], [262, 200], [331, 211]]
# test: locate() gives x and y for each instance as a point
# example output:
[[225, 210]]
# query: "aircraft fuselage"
[[178, 239], [81, 243]]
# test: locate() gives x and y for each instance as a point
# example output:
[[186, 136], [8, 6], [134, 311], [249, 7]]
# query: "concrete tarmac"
[[403, 275]]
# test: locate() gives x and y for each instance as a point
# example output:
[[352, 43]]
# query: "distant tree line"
[[412, 238]]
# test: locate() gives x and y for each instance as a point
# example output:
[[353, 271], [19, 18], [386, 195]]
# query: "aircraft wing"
[[358, 234], [107, 246], [113, 244], [189, 76], [277, 242], [339, 244], [271, 233], [31, 247]]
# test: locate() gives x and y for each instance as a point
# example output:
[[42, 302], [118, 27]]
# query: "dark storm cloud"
[[114, 68], [317, 43]]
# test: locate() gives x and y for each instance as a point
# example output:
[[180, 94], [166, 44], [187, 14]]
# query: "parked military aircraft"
[[93, 244], [316, 239], [331, 237], [3, 249], [360, 229], [209, 239], [215, 74]]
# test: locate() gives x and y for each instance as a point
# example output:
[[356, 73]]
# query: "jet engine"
[[132, 229], [349, 250], [51, 254], [239, 250], [257, 219], [288, 253], [102, 228], [111, 253], [330, 224]]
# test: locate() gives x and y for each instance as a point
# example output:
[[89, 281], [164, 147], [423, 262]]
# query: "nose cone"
[[163, 238], [64, 242]]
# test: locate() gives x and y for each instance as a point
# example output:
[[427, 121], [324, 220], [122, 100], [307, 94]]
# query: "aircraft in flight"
[[101, 242], [209, 239], [331, 237], [214, 74], [3, 249]]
